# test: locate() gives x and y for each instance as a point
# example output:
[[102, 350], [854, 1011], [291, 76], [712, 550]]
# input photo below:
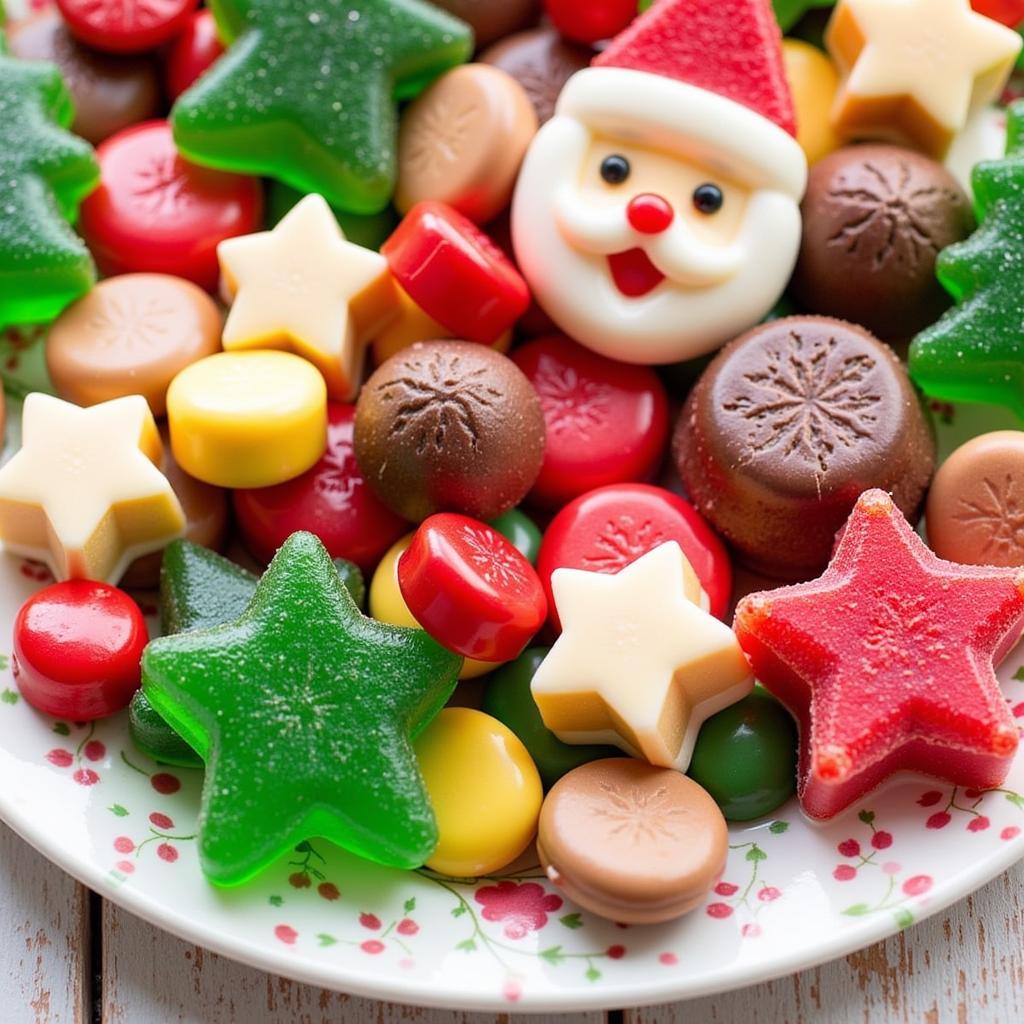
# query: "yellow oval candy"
[[814, 82], [247, 419], [484, 788], [388, 605]]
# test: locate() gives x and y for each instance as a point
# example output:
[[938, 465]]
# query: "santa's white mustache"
[[676, 252]]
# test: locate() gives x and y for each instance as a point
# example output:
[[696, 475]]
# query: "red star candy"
[[887, 660]]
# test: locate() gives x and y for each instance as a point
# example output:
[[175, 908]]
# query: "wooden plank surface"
[[44, 939]]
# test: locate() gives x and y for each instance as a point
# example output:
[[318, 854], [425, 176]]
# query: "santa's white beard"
[[686, 315]]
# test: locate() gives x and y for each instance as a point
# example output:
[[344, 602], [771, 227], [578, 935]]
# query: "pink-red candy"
[[455, 273], [609, 528], [331, 500], [470, 588], [192, 52], [1007, 12], [77, 649], [607, 422], [155, 212], [125, 26], [592, 20]]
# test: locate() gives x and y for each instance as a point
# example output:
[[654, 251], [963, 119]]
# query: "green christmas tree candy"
[[304, 710], [45, 173], [307, 92], [975, 352]]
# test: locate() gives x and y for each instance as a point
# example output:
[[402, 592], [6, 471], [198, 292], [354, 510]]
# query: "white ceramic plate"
[[793, 894]]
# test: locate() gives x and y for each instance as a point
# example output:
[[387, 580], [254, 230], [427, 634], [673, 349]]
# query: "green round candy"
[[521, 531], [745, 757], [352, 577], [155, 738], [509, 700]]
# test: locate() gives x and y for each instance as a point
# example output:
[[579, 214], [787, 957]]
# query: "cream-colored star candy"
[[639, 663], [304, 288], [83, 494]]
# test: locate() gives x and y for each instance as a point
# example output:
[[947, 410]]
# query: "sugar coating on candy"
[[307, 91], [304, 711], [887, 662], [45, 172]]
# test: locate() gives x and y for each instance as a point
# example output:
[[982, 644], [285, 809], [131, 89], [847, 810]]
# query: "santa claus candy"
[[657, 214]]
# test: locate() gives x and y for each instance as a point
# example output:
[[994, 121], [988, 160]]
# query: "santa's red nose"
[[649, 213]]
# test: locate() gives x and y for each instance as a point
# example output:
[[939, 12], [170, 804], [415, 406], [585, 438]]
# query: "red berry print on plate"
[[372, 946], [521, 907], [371, 921], [286, 934]]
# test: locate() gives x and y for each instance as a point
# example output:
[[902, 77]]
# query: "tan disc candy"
[[975, 511], [631, 842], [131, 335], [463, 140]]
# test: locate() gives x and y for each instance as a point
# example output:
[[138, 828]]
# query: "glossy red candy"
[[191, 53], [607, 422], [592, 21], [1008, 12], [330, 500], [125, 26], [470, 589], [886, 661], [455, 273], [154, 212], [77, 648], [607, 529]]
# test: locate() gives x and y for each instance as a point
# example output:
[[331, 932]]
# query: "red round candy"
[[125, 26], [455, 273], [1008, 12], [607, 529], [153, 212], [471, 589], [330, 500], [607, 422], [194, 50], [77, 648], [592, 20]]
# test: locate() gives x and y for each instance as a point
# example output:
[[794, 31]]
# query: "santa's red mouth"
[[633, 273]]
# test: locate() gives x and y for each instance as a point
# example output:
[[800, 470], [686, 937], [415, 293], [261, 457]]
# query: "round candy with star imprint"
[[787, 426], [491, 21], [610, 527], [606, 422], [449, 426], [330, 500], [471, 589], [248, 419], [118, 27], [484, 789], [193, 51], [77, 648], [131, 335], [155, 212], [631, 842]]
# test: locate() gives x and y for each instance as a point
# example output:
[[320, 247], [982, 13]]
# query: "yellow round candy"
[[814, 83], [247, 419], [388, 605], [484, 788]]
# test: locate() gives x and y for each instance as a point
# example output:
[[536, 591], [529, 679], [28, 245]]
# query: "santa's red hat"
[[701, 77]]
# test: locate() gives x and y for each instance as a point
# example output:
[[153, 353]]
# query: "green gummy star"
[[45, 173], [975, 352], [304, 710], [307, 92]]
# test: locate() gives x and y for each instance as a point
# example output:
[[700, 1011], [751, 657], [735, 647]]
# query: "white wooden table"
[[66, 957]]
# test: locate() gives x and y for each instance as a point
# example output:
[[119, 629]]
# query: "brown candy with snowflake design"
[[875, 218], [449, 426], [788, 425]]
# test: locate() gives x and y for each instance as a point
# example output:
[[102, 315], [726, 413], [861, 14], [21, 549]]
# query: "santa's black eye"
[[615, 169], [708, 198]]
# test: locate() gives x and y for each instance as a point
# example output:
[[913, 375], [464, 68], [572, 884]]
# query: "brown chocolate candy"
[[784, 430], [975, 511], [131, 335], [875, 218], [110, 93], [492, 19], [631, 842], [542, 62], [449, 426]]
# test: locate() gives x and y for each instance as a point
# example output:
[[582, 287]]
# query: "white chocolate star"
[[638, 664], [83, 493], [919, 67], [303, 288]]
